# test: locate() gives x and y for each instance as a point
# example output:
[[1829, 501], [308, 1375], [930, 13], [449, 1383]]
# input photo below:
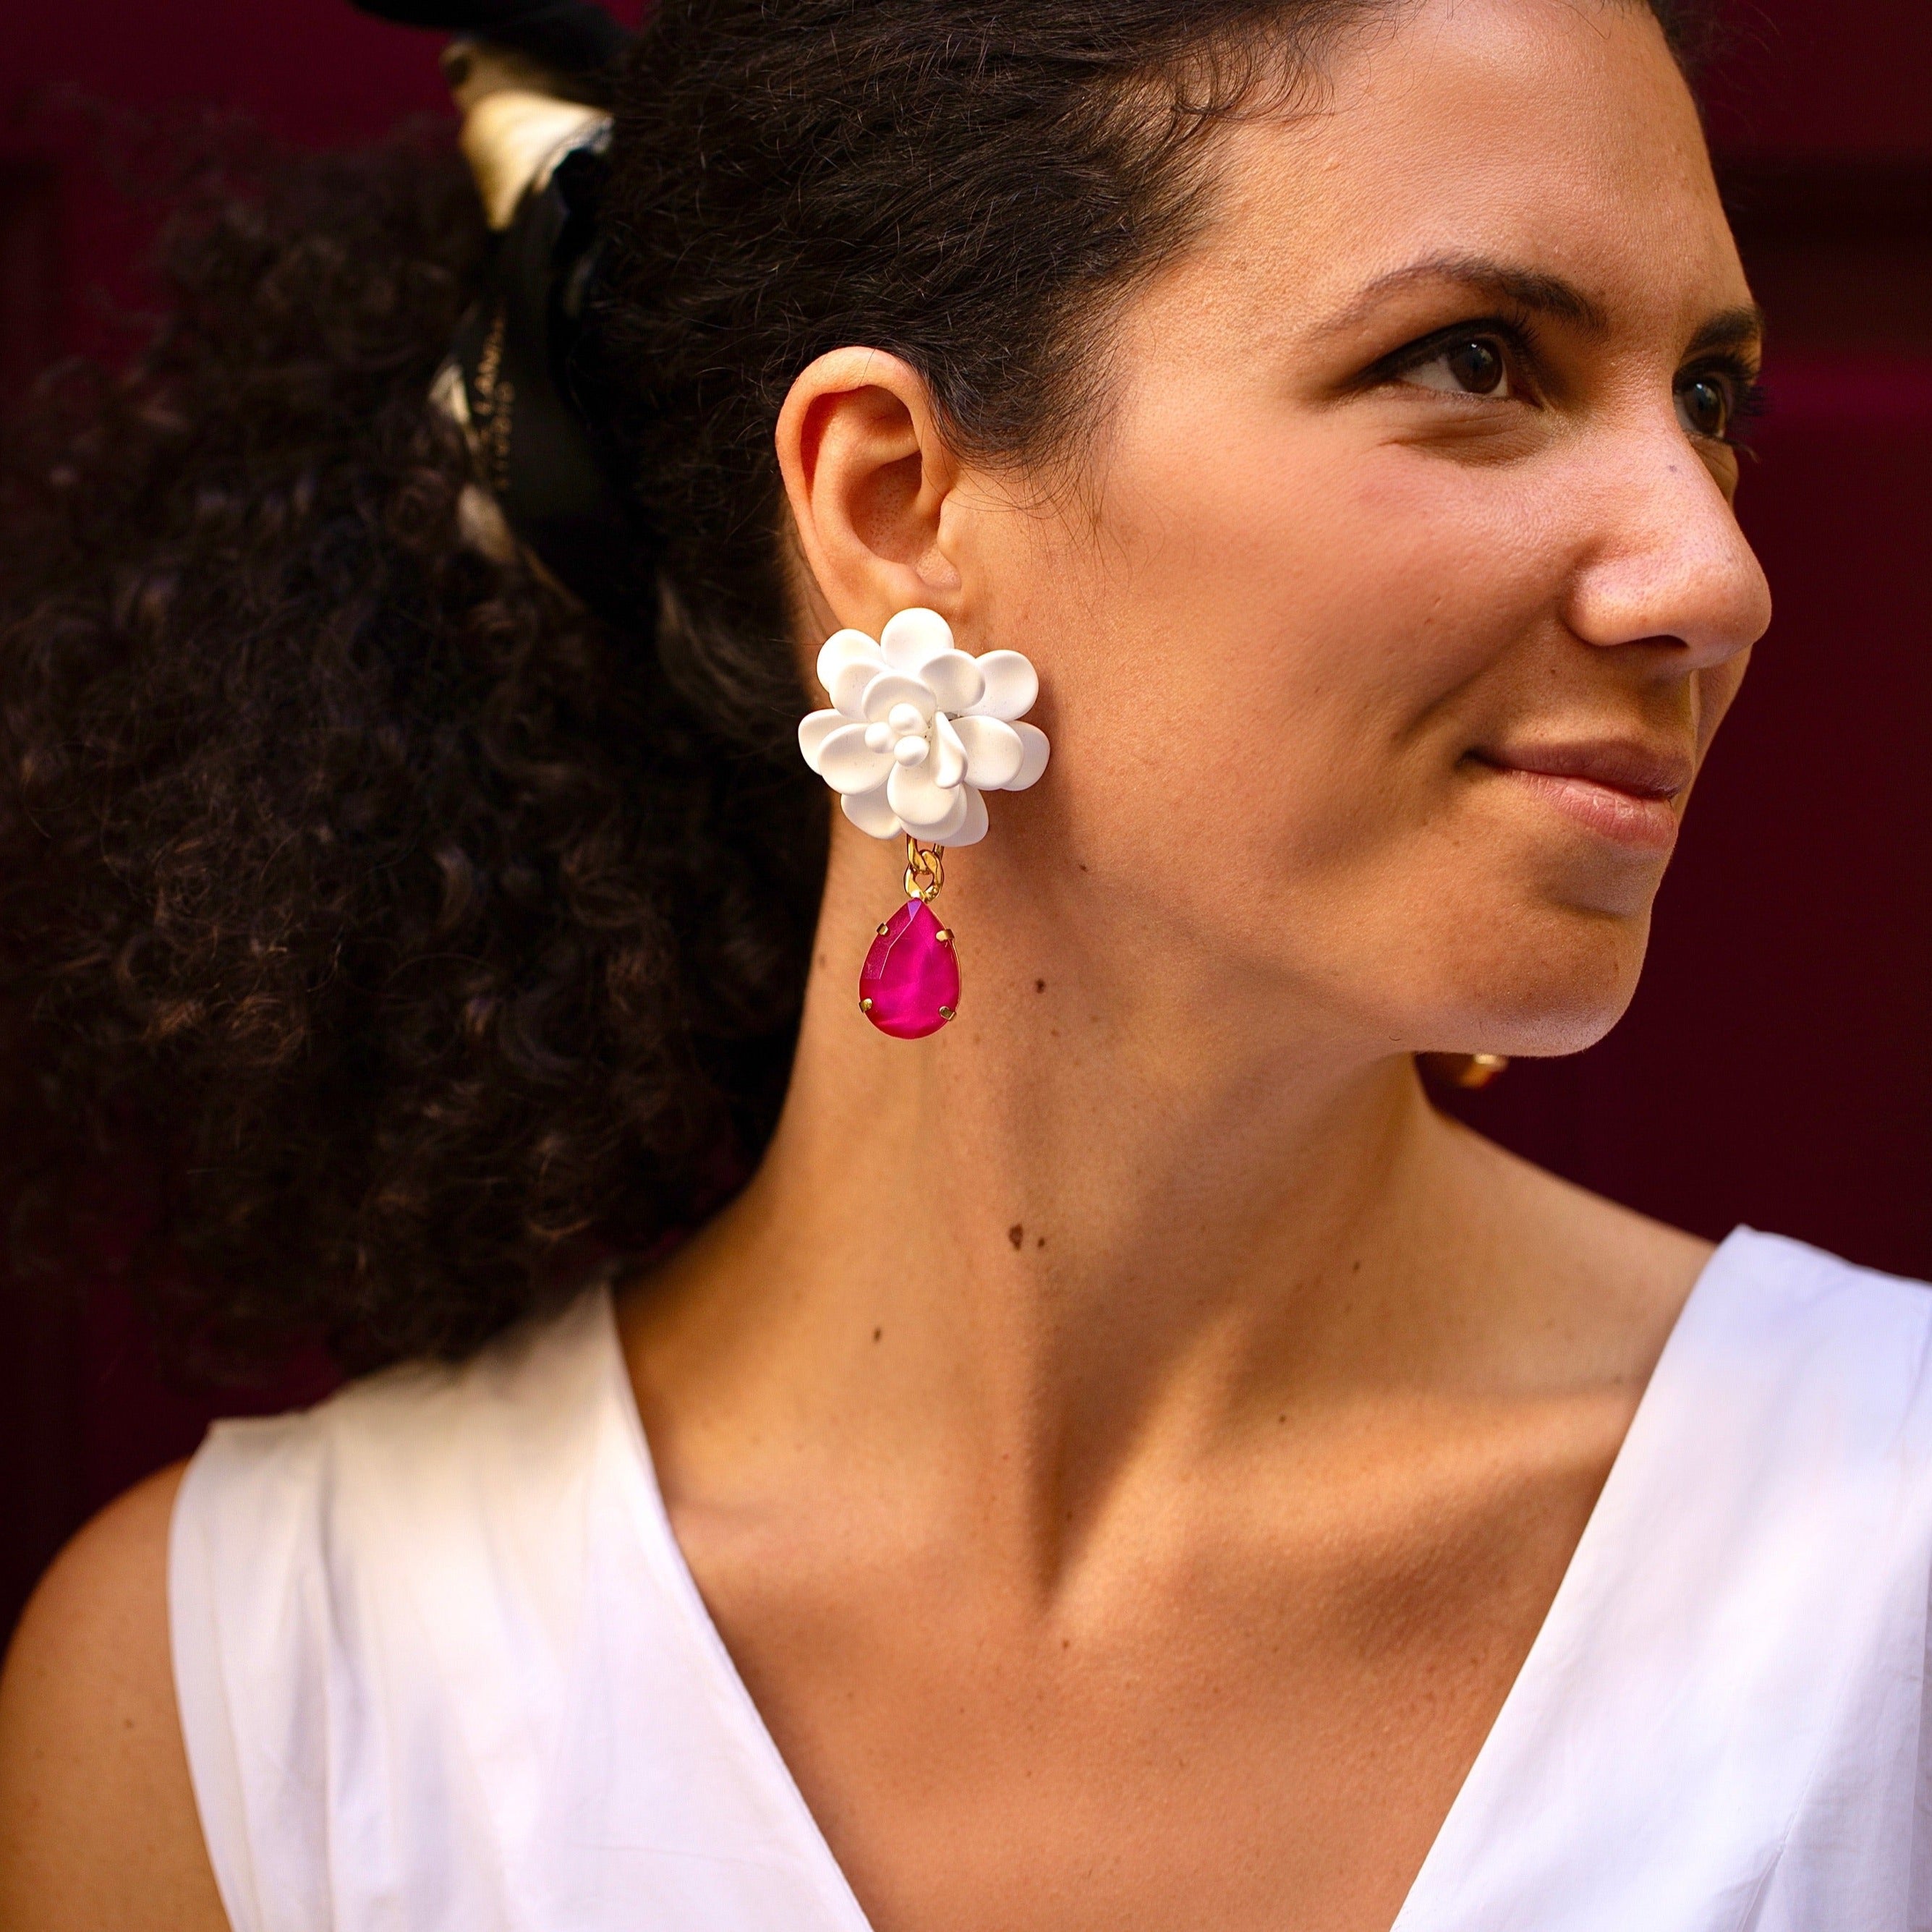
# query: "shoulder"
[[370, 1599], [1836, 1361], [313, 1593], [1791, 1308], [302, 1538], [400, 1467], [1804, 1460], [302, 1543], [1793, 1356], [1803, 1395], [97, 1822]]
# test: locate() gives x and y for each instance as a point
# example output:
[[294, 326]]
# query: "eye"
[[1475, 365], [1705, 404]]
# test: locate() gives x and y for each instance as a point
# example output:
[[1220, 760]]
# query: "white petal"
[[814, 731], [912, 637], [949, 754], [847, 764], [923, 806], [950, 828], [1034, 748], [870, 812], [845, 647], [993, 751], [1012, 685], [849, 681], [954, 679], [894, 687], [974, 828]]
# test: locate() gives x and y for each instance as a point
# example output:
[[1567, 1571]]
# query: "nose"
[[1663, 560]]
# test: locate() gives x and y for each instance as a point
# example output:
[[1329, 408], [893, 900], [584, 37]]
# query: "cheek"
[[1261, 678], [1284, 638]]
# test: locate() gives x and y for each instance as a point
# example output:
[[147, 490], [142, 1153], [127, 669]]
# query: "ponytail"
[[390, 908]]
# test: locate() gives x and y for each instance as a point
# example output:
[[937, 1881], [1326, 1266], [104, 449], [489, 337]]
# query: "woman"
[[1123, 1459]]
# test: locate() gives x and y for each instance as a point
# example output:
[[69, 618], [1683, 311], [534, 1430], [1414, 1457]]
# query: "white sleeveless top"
[[442, 1668]]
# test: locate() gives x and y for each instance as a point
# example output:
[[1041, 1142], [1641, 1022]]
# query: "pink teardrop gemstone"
[[909, 986]]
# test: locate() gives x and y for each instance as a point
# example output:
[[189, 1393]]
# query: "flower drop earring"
[[917, 731]]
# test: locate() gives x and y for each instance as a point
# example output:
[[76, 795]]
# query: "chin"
[[1552, 985]]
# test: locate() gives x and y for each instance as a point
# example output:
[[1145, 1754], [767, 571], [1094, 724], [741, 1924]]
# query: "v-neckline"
[[1433, 1880]]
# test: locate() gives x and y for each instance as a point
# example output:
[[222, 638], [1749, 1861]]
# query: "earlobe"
[[867, 475]]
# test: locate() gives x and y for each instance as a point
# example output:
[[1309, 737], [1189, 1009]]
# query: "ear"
[[869, 480]]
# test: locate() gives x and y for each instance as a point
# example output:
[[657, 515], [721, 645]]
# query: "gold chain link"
[[925, 870]]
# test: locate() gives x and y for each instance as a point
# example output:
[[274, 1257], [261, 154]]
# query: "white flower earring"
[[917, 731]]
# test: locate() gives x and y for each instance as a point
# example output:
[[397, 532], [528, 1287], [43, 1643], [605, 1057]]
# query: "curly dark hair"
[[420, 929]]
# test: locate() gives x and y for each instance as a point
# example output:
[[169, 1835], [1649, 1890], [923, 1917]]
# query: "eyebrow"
[[1731, 328], [1529, 289], [1540, 294]]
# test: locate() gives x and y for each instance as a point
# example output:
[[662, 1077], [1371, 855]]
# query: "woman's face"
[[1395, 609]]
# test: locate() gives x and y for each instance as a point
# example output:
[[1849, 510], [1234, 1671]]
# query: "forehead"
[[1555, 134]]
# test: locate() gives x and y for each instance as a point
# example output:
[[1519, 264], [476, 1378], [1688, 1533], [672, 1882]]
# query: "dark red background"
[[1777, 1066]]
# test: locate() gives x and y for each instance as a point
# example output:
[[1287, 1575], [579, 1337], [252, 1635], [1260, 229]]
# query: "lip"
[[1621, 789]]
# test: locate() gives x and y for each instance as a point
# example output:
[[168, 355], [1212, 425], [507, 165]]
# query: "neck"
[[1091, 1213]]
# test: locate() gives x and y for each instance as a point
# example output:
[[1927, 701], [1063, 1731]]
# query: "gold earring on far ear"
[[1468, 1071]]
